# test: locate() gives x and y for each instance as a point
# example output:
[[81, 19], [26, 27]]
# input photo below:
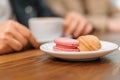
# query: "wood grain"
[[19, 55], [35, 65]]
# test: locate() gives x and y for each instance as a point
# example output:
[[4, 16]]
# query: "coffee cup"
[[46, 29]]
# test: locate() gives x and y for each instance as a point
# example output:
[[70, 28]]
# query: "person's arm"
[[99, 20], [80, 20], [103, 24], [76, 24], [107, 23]]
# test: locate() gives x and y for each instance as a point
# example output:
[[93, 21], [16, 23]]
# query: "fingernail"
[[75, 35]]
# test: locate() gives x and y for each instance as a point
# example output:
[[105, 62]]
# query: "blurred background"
[[23, 10]]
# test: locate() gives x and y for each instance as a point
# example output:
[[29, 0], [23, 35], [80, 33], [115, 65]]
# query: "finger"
[[67, 22], [26, 33], [68, 19], [71, 27], [13, 43], [34, 42], [5, 49], [12, 31], [79, 28], [87, 29]]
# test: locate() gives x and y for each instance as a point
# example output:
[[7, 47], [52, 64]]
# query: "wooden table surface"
[[36, 65]]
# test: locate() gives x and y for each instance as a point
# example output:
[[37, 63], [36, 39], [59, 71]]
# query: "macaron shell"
[[57, 48], [94, 42], [68, 47], [83, 46], [67, 42], [89, 43]]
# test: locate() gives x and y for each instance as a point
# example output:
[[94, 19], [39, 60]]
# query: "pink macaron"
[[66, 44]]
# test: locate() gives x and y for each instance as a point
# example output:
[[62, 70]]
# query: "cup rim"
[[46, 18]]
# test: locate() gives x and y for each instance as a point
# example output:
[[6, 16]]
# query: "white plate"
[[106, 48]]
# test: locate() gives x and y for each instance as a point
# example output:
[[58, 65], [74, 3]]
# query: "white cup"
[[46, 29]]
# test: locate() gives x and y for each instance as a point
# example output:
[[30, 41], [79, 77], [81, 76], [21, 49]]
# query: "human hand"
[[113, 25], [76, 25], [14, 37]]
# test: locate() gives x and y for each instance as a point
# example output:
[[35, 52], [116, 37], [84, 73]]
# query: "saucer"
[[106, 48]]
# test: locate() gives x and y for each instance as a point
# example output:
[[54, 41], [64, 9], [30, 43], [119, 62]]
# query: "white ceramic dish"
[[106, 48]]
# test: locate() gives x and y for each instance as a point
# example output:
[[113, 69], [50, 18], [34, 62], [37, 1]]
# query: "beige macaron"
[[89, 43]]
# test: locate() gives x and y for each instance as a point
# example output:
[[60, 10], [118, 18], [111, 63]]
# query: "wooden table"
[[36, 65]]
